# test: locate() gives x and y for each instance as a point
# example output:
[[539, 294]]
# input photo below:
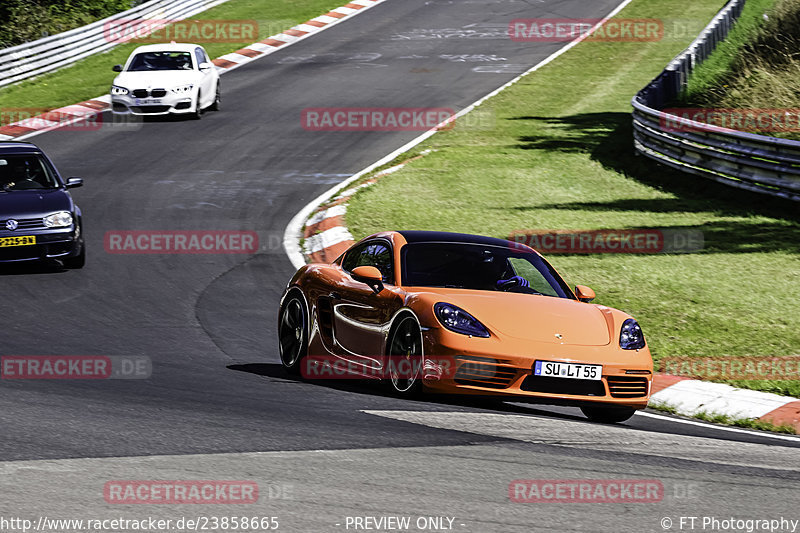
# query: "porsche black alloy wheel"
[[405, 357], [293, 333]]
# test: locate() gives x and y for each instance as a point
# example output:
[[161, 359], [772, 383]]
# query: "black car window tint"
[[374, 254]]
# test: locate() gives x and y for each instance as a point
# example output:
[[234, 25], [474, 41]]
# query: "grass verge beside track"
[[93, 76], [756, 67], [560, 156]]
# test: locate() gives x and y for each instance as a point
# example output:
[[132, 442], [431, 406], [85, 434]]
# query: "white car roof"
[[167, 47]]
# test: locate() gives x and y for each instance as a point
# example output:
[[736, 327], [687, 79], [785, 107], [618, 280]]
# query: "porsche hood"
[[532, 317]]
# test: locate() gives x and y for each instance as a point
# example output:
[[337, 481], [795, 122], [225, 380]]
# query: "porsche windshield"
[[161, 61], [23, 172], [479, 267]]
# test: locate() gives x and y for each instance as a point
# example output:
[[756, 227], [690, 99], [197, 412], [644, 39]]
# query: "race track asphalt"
[[207, 321]]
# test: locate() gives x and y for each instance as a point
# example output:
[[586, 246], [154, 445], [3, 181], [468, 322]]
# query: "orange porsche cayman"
[[455, 313]]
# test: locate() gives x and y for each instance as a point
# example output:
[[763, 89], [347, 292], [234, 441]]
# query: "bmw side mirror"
[[584, 293], [369, 275], [117, 68], [74, 182], [205, 66]]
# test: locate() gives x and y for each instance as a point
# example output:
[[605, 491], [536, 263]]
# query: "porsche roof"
[[444, 236]]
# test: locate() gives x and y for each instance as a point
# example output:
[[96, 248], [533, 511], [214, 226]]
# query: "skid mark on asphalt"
[[608, 438]]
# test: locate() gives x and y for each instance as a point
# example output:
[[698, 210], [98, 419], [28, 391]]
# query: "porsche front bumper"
[[471, 365]]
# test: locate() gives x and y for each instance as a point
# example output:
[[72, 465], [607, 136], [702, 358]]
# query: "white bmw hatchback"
[[160, 79]]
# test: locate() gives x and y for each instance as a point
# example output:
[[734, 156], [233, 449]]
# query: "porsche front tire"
[[607, 415], [404, 361], [293, 333]]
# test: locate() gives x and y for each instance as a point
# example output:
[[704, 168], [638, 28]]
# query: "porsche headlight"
[[182, 89], [62, 219], [456, 319], [117, 90], [631, 336]]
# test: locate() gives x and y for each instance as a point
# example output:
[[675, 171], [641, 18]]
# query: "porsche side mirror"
[[117, 68], [204, 66], [584, 293], [74, 182], [369, 275]]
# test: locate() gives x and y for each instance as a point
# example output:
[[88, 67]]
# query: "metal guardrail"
[[45, 55], [753, 162]]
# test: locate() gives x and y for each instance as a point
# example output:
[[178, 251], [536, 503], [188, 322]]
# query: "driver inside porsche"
[[500, 270]]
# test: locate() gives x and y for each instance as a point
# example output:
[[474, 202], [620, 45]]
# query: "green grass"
[[92, 77], [758, 65], [560, 156], [743, 423]]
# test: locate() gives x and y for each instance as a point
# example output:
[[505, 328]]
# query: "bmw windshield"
[[479, 267], [147, 61], [25, 172]]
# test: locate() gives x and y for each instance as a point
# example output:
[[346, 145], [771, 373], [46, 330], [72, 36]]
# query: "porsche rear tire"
[[404, 367], [607, 415], [293, 332]]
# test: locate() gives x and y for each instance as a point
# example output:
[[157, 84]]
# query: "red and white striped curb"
[[325, 234], [71, 114], [690, 397]]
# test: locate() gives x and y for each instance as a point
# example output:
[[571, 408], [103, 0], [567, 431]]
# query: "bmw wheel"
[[217, 100], [293, 332], [405, 357], [198, 110]]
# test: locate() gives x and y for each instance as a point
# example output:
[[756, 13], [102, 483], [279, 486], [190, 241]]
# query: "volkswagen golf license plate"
[[567, 370], [21, 240]]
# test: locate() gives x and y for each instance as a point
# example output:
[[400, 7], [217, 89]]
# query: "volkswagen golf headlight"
[[62, 219], [183, 89], [117, 90], [631, 336]]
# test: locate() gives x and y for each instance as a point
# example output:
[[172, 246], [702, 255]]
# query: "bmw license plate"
[[567, 370], [22, 240], [148, 101]]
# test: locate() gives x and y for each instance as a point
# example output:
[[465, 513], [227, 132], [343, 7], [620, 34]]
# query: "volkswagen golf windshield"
[[24, 172]]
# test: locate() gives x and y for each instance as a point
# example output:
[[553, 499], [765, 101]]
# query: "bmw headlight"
[[456, 319], [62, 219], [182, 89], [631, 336], [117, 90]]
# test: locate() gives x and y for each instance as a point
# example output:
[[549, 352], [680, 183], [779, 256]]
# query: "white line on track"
[[764, 434]]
